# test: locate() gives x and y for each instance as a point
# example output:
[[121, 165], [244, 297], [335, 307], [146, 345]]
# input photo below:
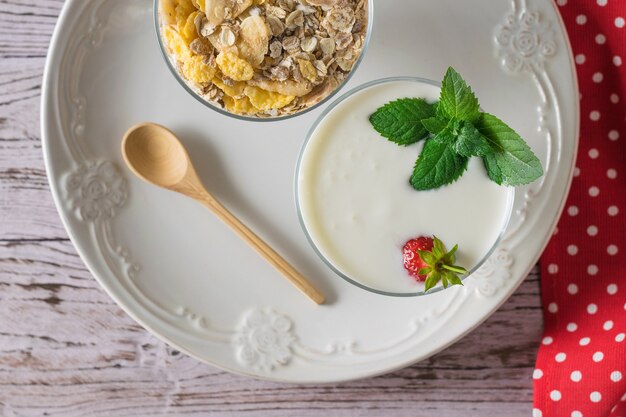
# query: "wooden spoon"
[[157, 156]]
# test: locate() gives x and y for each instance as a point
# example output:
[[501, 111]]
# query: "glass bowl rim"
[[313, 128], [206, 103]]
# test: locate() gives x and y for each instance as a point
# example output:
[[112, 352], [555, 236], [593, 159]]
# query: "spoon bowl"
[[155, 155]]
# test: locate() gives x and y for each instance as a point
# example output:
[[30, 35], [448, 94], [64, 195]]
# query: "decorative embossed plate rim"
[[91, 191]]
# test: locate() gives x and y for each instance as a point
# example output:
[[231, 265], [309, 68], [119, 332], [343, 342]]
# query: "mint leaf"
[[470, 142], [400, 121], [437, 165], [435, 124], [457, 98], [493, 169], [512, 161]]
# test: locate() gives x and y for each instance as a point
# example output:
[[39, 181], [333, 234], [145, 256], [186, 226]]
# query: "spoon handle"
[[261, 247]]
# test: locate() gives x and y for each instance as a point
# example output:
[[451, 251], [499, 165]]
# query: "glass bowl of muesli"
[[263, 60]]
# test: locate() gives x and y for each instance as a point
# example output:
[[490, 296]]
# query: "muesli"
[[264, 58]]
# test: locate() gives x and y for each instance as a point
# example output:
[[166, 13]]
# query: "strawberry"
[[412, 261], [427, 260]]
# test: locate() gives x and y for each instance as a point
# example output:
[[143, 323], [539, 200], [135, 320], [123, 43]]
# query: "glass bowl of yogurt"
[[263, 60], [358, 209]]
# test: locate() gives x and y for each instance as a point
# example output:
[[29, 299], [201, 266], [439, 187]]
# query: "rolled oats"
[[295, 19], [277, 27], [327, 46], [291, 44], [265, 58], [276, 49], [309, 44]]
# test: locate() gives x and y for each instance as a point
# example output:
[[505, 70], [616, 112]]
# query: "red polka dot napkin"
[[581, 366]]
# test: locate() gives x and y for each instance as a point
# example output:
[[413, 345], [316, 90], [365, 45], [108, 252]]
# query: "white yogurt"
[[358, 206]]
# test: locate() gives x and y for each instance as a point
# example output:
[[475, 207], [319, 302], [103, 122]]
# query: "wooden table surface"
[[67, 350]]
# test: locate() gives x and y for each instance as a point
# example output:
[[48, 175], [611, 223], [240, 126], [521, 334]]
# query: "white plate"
[[184, 276]]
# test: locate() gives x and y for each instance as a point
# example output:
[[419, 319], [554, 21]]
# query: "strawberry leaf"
[[440, 265], [432, 280], [428, 257], [444, 280], [425, 271], [439, 249], [454, 279]]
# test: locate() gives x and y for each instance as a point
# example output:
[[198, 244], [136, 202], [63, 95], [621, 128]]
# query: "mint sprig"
[[455, 130]]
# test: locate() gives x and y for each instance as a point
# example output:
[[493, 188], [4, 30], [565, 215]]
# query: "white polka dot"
[[612, 250], [572, 327], [598, 356], [594, 191], [572, 210], [608, 325], [600, 39], [592, 269], [614, 135], [576, 171], [611, 173], [547, 340], [592, 230], [576, 376], [595, 397], [616, 376], [594, 115], [592, 308], [537, 374], [620, 22], [576, 413], [572, 289], [572, 250], [560, 357], [617, 61], [581, 19], [593, 153], [537, 412], [553, 307], [611, 289], [602, 2], [620, 337], [553, 269], [584, 341], [613, 211], [614, 98], [597, 77], [555, 395], [580, 59]]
